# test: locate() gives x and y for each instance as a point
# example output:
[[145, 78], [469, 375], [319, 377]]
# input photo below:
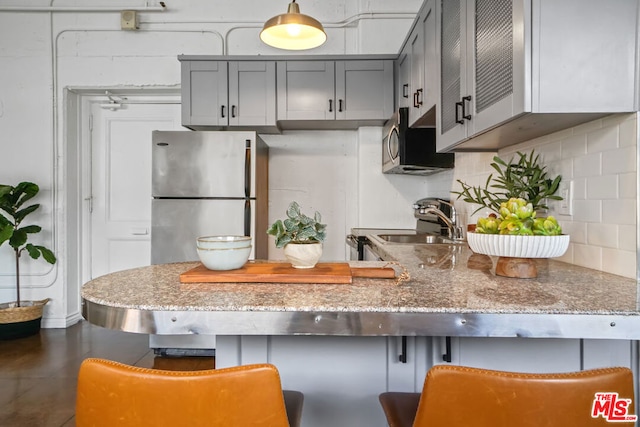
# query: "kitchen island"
[[343, 344], [451, 292]]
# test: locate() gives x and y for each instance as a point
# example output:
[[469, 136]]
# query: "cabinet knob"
[[222, 111], [233, 111], [340, 105], [331, 105]]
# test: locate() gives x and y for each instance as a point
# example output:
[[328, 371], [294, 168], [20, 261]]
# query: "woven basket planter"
[[23, 321]]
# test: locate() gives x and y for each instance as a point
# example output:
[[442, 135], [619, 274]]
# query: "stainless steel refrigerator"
[[205, 183]]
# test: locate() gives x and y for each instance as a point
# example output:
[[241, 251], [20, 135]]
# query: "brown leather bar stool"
[[114, 394], [457, 396]]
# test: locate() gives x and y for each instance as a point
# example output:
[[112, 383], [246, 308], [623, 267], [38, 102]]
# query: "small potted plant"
[[301, 237], [515, 231], [20, 318]]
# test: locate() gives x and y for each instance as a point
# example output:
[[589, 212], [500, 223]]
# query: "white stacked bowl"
[[223, 252]]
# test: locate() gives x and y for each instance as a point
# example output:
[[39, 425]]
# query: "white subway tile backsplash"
[[628, 132], [600, 158], [588, 127], [602, 139], [588, 165], [549, 152], [619, 161], [620, 211], [587, 256], [605, 235], [576, 229], [602, 187], [627, 238], [616, 119], [574, 146], [563, 167], [587, 210], [619, 262], [579, 188], [627, 185]]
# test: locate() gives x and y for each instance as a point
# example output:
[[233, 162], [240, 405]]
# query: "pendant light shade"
[[293, 30]]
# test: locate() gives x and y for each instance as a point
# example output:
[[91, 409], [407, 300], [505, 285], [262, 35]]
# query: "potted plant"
[[514, 231], [20, 318], [301, 237]]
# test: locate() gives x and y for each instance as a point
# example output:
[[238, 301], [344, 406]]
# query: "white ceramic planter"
[[303, 255]]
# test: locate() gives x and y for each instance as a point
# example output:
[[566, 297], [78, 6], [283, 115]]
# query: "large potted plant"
[[301, 237], [20, 318]]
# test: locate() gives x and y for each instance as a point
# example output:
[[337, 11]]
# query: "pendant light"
[[293, 30]]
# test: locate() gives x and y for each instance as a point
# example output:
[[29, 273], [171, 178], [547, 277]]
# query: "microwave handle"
[[393, 129]]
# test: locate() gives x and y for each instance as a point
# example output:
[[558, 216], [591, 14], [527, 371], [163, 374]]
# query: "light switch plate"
[[565, 190]]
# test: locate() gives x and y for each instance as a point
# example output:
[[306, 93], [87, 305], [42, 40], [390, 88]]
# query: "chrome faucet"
[[455, 231]]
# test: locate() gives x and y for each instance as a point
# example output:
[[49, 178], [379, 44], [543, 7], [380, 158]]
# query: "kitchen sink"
[[416, 238]]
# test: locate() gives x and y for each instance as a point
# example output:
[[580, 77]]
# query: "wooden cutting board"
[[273, 272]]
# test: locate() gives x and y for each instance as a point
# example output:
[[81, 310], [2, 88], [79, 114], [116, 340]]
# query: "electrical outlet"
[[565, 190]]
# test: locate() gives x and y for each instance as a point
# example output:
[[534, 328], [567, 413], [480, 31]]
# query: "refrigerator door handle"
[[247, 169], [247, 217]]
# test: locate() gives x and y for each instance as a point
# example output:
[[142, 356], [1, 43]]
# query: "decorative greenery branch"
[[524, 179]]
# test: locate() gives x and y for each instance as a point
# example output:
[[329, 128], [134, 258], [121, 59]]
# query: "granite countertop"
[[451, 292], [444, 279]]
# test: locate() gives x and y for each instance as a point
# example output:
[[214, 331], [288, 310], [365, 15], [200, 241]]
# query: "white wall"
[[600, 159], [42, 54]]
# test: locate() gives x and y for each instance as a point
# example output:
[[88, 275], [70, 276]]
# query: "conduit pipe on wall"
[[160, 8], [350, 21]]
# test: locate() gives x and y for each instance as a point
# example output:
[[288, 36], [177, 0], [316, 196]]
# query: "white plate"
[[518, 246]]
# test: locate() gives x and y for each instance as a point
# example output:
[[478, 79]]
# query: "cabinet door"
[[424, 72], [495, 64], [364, 90], [403, 78], [512, 354], [204, 93], [451, 33], [306, 90], [430, 57], [252, 93], [416, 43]]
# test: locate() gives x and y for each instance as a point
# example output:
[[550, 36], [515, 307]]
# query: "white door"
[[121, 183]]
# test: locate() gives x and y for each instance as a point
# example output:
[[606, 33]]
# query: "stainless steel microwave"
[[411, 151]]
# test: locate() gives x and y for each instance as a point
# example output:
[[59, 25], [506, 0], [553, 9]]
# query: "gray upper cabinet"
[[252, 93], [403, 77], [422, 43], [306, 90], [352, 92], [204, 93], [218, 94], [510, 71]]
